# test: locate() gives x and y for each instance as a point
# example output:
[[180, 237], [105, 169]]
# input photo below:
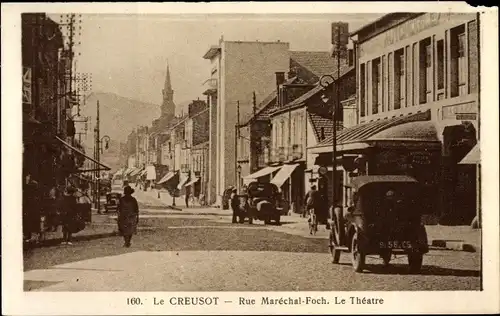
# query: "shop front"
[[290, 180], [399, 146]]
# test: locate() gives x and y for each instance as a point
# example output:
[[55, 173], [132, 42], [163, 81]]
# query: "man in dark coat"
[[31, 207], [69, 214], [235, 204]]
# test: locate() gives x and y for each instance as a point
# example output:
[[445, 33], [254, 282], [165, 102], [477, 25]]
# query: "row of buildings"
[[48, 100], [408, 90]]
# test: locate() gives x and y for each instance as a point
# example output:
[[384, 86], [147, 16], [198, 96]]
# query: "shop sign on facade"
[[421, 158]]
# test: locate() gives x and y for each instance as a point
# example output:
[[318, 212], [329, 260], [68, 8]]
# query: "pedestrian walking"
[[234, 205], [188, 193], [51, 209], [128, 215], [31, 207], [69, 215]]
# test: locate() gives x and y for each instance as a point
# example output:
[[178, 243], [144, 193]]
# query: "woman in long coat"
[[128, 215]]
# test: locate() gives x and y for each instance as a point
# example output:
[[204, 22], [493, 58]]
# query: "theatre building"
[[418, 106]]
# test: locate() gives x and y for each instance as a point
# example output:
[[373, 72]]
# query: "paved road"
[[182, 252]]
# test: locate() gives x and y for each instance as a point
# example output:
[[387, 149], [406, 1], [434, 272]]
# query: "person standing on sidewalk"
[[128, 215], [235, 205], [68, 213], [188, 193]]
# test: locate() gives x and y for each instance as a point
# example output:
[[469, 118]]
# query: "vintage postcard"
[[249, 158]]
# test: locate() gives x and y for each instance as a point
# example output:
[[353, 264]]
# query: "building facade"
[[417, 100], [238, 70]]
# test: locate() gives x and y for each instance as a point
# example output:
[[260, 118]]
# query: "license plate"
[[396, 244]]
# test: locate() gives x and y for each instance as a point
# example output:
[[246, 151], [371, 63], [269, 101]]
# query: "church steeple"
[[168, 106], [168, 84]]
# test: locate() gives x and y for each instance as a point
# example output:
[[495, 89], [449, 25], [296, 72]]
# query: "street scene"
[[242, 153]]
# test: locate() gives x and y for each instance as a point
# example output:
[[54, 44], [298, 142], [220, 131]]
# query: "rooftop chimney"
[[280, 79]]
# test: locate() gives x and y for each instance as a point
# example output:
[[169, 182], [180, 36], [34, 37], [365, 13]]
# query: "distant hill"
[[118, 117]]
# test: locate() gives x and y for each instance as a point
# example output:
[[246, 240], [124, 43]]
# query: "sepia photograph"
[[250, 152]]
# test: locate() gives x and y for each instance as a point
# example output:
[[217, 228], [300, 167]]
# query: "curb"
[[57, 241], [457, 245]]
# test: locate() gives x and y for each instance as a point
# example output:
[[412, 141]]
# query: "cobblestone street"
[[199, 249]]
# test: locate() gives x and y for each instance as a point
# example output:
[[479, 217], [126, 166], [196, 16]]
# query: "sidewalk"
[[459, 238], [98, 228]]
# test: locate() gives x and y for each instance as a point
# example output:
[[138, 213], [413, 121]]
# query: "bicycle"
[[313, 222]]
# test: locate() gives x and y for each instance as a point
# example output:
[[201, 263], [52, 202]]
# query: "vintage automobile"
[[263, 202], [112, 200], [385, 219]]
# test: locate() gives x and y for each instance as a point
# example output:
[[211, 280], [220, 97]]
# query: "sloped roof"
[[303, 98], [266, 106], [319, 63], [364, 131], [318, 122]]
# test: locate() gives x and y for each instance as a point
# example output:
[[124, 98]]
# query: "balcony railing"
[[185, 167], [296, 152], [210, 86]]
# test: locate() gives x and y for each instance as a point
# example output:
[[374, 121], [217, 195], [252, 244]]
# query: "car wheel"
[[386, 257], [358, 257], [415, 261], [334, 251]]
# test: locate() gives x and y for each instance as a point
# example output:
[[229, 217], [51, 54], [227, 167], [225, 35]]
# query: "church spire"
[[168, 105], [168, 84]]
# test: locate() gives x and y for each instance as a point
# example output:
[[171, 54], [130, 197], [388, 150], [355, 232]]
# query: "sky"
[[128, 54]]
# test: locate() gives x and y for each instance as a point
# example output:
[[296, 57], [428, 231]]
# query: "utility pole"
[[254, 104], [98, 160], [236, 139]]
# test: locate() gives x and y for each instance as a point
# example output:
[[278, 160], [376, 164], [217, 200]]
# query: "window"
[[458, 64], [362, 90], [473, 55], [350, 57], [425, 67], [390, 86], [377, 85], [409, 83], [399, 78], [322, 134], [440, 71]]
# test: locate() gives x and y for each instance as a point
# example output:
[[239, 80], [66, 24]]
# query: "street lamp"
[[238, 170], [98, 151], [326, 81], [106, 139], [172, 157]]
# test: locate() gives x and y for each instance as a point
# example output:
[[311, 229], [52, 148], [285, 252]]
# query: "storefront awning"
[[283, 174], [262, 172], [192, 182], [182, 181], [411, 128], [473, 157], [167, 177], [104, 167], [136, 172], [128, 171], [150, 173]]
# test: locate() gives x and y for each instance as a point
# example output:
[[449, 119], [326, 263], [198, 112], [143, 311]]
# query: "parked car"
[[263, 199], [112, 200], [385, 219]]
